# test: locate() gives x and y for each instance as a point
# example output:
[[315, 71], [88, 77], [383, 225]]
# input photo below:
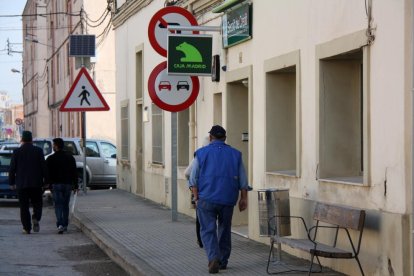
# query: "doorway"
[[238, 126]]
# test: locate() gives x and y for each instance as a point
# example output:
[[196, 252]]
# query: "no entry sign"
[[168, 16], [172, 93]]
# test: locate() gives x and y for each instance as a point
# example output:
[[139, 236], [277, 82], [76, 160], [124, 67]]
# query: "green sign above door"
[[189, 54]]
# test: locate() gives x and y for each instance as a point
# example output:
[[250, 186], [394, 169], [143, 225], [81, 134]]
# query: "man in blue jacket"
[[217, 176], [27, 174]]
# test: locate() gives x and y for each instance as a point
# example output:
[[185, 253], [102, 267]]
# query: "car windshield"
[[5, 159], [46, 146]]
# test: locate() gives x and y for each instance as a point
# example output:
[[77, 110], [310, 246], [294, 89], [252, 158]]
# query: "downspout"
[[412, 136], [192, 117]]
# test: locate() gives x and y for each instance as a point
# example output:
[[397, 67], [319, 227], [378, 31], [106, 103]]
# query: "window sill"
[[350, 180], [289, 173]]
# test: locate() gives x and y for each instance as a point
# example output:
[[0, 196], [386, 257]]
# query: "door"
[[94, 162], [108, 153]]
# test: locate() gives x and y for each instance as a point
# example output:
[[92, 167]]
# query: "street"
[[46, 252]]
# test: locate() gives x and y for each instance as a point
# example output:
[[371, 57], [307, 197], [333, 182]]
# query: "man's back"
[[27, 167], [62, 168], [219, 173]]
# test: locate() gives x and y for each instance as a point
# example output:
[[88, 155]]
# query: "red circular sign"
[[172, 93], [18, 121], [168, 16]]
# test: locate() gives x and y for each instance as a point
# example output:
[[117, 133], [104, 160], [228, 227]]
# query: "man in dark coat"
[[27, 174], [64, 178]]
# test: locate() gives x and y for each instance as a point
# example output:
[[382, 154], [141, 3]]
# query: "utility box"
[[274, 202]]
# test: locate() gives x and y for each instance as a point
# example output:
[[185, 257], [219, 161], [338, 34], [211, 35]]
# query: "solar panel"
[[82, 46]]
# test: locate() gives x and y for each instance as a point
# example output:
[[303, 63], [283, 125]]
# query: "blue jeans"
[[61, 198], [216, 241]]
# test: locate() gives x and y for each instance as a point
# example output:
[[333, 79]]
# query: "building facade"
[[317, 97], [49, 71]]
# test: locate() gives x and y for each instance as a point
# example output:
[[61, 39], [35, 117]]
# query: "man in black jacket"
[[63, 177], [27, 174]]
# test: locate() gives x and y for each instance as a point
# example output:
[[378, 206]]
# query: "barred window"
[[125, 132], [157, 135]]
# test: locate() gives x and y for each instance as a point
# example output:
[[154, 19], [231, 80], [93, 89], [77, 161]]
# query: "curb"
[[132, 264]]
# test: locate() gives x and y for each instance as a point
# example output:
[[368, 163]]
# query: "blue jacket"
[[218, 173]]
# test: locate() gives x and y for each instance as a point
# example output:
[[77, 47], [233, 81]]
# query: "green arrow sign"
[[189, 54]]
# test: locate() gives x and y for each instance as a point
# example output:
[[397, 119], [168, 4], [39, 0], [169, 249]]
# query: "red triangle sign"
[[84, 95]]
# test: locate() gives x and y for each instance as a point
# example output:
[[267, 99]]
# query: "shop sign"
[[237, 25], [189, 55]]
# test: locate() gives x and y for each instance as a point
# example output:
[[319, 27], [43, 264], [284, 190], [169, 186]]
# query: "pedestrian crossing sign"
[[84, 95]]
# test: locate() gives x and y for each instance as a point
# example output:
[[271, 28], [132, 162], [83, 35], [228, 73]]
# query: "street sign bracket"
[[195, 28]]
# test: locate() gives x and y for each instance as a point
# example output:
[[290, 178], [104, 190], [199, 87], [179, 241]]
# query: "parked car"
[[5, 191], [9, 146], [100, 159]]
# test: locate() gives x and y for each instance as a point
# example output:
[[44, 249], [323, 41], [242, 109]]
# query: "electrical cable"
[[39, 14], [99, 19], [100, 23]]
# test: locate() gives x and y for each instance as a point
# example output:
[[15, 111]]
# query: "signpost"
[[189, 54], [168, 92]]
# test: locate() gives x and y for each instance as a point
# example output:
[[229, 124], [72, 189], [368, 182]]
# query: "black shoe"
[[223, 266], [213, 267], [36, 226], [25, 232], [200, 244], [60, 229]]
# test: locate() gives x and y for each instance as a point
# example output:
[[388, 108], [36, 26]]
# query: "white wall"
[[281, 27]]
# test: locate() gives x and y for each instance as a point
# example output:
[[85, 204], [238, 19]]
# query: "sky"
[[11, 28]]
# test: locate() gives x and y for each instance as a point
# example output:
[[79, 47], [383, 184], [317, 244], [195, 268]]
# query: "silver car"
[[100, 158]]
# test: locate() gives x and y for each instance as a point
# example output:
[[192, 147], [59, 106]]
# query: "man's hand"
[[243, 200]]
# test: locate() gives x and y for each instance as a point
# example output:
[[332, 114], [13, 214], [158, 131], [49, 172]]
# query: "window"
[[108, 150], [70, 147], [92, 149], [157, 135], [343, 135], [282, 114], [125, 131], [67, 60], [46, 146], [58, 67]]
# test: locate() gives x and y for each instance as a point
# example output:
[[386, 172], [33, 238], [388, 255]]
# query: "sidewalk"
[[140, 236]]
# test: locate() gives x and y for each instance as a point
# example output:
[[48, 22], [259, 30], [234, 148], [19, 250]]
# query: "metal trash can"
[[274, 202]]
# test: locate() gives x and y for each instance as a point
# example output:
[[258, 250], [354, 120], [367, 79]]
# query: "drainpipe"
[[412, 136], [192, 115]]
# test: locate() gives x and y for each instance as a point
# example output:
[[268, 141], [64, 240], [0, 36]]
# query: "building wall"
[[315, 38], [49, 72]]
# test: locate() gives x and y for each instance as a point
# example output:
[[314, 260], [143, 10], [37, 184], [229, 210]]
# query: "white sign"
[[172, 93], [84, 95], [168, 16]]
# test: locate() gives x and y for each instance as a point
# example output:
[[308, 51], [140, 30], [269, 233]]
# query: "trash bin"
[[274, 202]]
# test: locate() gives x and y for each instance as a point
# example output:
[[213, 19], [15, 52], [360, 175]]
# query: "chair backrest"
[[346, 217]]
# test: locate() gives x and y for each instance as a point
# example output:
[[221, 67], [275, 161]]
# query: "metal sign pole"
[[83, 119], [174, 166], [84, 150]]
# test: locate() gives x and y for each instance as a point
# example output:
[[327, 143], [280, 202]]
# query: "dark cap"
[[27, 136], [217, 131]]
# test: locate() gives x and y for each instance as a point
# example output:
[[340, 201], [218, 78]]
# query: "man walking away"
[[217, 175], [27, 174], [63, 179]]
